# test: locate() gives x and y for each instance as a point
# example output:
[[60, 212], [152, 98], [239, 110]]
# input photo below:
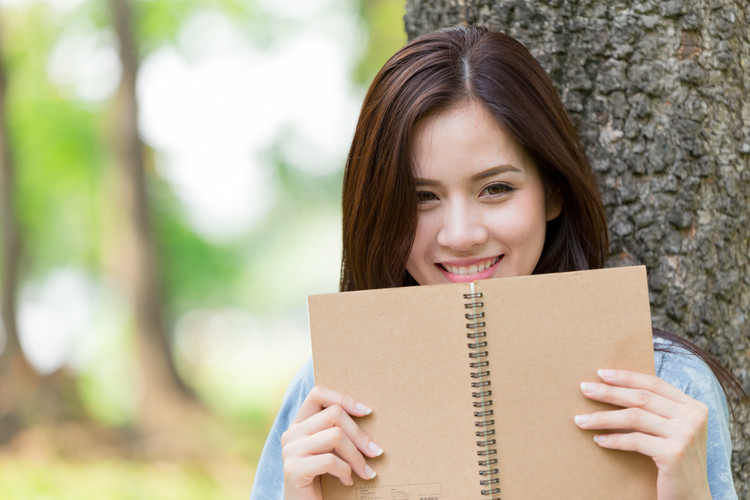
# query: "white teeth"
[[473, 269]]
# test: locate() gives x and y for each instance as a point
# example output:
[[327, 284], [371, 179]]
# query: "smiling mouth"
[[472, 269]]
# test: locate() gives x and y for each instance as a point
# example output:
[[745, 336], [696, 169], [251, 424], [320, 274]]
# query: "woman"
[[464, 166]]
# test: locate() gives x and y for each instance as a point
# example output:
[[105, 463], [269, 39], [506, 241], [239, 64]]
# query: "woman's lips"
[[477, 269]]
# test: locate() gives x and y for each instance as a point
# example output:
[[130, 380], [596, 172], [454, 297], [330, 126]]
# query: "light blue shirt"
[[680, 368]]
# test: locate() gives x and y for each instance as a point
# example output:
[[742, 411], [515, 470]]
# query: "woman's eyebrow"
[[419, 181], [494, 171], [425, 182]]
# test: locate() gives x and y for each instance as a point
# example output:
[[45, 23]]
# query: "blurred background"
[[170, 183]]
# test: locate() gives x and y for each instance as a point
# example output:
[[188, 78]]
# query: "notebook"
[[474, 386]]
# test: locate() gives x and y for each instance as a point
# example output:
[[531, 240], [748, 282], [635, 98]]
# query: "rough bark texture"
[[658, 90], [164, 392]]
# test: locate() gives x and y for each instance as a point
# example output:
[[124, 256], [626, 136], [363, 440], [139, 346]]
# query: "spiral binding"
[[483, 404]]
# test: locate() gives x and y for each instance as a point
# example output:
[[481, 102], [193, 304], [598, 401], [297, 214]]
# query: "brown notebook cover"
[[417, 356]]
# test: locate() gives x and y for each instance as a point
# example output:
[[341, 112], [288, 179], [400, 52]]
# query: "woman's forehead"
[[466, 136]]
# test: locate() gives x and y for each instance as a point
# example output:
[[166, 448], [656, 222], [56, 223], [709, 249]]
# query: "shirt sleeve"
[[269, 477], [692, 376]]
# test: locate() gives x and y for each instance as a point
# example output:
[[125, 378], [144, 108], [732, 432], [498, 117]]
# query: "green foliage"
[[59, 188], [65, 184], [67, 189], [296, 250], [158, 23], [57, 152], [196, 272], [108, 384], [384, 20]]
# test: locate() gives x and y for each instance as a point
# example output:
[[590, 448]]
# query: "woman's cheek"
[[522, 232]]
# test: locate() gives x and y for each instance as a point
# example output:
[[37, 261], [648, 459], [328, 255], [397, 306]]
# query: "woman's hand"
[[324, 439], [665, 424]]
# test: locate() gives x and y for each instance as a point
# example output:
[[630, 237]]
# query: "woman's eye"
[[496, 189], [425, 196]]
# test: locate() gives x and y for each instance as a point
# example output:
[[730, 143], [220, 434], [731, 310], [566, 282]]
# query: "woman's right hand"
[[324, 439]]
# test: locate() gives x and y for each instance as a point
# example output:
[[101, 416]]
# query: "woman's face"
[[482, 209]]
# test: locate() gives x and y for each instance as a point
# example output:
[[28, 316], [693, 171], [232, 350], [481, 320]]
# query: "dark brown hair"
[[431, 74]]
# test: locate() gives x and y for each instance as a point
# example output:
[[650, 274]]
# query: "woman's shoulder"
[[298, 388], [683, 369], [269, 478], [304, 377]]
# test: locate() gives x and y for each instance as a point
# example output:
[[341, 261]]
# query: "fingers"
[[652, 405], [302, 472], [334, 442], [661, 421], [324, 439], [630, 418], [666, 453], [320, 398], [630, 389], [646, 444], [650, 383], [333, 417], [631, 398]]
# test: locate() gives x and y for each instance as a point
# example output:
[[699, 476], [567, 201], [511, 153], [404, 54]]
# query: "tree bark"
[[165, 393], [658, 92]]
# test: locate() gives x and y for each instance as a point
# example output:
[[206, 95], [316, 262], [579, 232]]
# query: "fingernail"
[[582, 419], [375, 449], [370, 472], [600, 438], [364, 409], [588, 387], [606, 374]]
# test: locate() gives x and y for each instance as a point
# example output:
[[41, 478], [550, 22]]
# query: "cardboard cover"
[[404, 352]]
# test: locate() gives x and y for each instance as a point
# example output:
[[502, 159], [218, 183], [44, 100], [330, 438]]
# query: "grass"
[[114, 479], [216, 465], [214, 457]]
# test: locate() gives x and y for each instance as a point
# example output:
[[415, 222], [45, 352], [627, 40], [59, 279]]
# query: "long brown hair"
[[428, 75]]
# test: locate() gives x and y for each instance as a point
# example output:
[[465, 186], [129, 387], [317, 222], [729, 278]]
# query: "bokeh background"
[[245, 113]]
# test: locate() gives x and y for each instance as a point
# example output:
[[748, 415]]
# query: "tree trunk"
[[657, 90], [17, 378], [165, 393]]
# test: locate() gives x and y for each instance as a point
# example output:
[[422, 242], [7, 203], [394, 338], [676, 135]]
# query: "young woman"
[[465, 166]]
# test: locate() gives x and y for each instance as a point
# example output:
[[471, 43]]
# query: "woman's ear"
[[553, 204]]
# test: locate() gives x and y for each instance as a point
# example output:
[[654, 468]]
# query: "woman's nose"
[[462, 228]]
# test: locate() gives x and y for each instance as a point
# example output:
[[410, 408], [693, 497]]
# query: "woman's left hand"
[[663, 423]]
